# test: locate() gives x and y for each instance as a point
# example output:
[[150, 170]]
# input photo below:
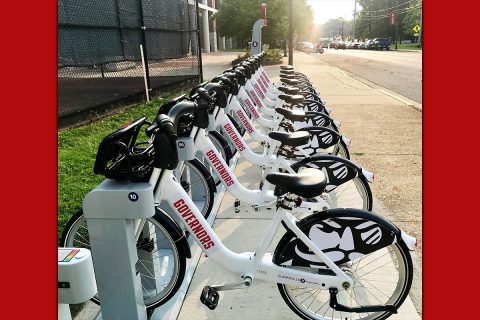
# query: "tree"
[[236, 18], [373, 19], [412, 18]]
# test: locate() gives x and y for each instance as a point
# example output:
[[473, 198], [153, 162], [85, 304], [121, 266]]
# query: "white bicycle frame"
[[256, 264], [257, 198]]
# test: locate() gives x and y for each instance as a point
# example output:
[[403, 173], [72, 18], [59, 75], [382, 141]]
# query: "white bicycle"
[[334, 264]]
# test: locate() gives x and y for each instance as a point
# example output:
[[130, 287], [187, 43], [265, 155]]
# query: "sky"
[[332, 9]]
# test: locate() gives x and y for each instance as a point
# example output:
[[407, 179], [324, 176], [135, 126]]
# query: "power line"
[[386, 9], [386, 16]]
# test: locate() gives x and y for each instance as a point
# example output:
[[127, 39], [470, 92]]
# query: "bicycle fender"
[[343, 234], [318, 119], [175, 231], [314, 105], [337, 170], [321, 137]]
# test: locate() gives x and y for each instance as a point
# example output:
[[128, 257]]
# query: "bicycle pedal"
[[209, 297]]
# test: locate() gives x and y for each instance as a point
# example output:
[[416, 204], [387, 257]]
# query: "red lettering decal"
[[195, 225], [178, 203], [244, 121]]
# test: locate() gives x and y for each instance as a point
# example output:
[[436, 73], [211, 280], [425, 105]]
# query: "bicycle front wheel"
[[381, 277], [199, 184], [161, 266]]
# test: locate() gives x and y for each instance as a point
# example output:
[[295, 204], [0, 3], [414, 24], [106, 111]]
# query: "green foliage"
[[241, 57], [274, 55], [373, 20], [236, 18], [412, 18], [77, 149]]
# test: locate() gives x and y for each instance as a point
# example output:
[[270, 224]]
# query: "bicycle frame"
[[263, 197], [256, 264]]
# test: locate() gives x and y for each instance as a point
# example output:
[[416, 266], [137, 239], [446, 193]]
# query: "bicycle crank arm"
[[209, 296], [245, 283], [373, 308]]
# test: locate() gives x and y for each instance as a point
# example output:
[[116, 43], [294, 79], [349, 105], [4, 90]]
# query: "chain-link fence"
[[99, 57]]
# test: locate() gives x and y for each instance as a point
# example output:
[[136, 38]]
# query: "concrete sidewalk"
[[386, 140]]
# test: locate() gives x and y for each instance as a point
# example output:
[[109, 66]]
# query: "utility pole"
[[396, 26], [354, 15], [290, 33], [421, 29], [343, 22]]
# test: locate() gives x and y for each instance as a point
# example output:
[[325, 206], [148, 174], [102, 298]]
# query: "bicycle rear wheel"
[[161, 262], [380, 277]]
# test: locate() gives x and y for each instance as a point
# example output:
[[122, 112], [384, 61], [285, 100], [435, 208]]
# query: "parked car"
[[355, 45], [361, 45], [381, 43], [349, 45], [369, 44], [325, 45], [341, 45], [305, 47]]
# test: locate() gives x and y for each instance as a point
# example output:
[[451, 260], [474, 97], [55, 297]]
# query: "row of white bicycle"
[[336, 259]]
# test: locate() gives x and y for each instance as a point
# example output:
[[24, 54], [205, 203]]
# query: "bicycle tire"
[[223, 148], [341, 150], [76, 226], [207, 195], [240, 130], [395, 284]]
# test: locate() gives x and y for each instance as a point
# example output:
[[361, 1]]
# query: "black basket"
[[120, 157]]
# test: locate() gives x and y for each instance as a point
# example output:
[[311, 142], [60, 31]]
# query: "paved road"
[[399, 71]]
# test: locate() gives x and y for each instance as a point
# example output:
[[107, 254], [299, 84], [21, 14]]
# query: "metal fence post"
[[120, 29], [198, 43], [144, 43]]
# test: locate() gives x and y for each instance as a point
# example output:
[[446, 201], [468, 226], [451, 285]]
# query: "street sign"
[[416, 29], [264, 13], [393, 18]]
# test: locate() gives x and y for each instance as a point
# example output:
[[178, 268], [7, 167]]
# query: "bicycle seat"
[[287, 71], [291, 82], [287, 76], [293, 99], [294, 115], [289, 90], [308, 183], [293, 139], [287, 67]]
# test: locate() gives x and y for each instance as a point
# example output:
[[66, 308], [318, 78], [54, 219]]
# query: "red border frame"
[[29, 234], [30, 116], [450, 171]]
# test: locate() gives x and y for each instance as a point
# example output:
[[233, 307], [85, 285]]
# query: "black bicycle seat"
[[293, 139], [288, 76], [308, 183], [294, 115], [289, 90], [291, 82], [293, 99], [287, 71]]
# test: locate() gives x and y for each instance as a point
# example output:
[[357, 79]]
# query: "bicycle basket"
[[120, 157]]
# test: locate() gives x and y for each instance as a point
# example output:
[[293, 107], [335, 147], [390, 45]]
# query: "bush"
[[241, 58], [274, 55]]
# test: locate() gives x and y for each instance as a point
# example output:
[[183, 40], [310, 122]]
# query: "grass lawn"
[[77, 149], [407, 46]]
